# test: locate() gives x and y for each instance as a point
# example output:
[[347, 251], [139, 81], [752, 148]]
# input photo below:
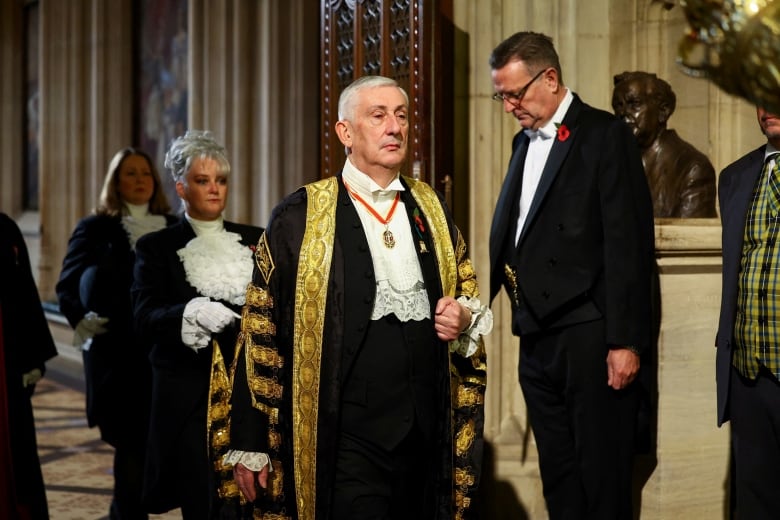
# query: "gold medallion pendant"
[[388, 238]]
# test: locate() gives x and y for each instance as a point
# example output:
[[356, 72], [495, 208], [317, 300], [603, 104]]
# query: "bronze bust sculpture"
[[681, 178]]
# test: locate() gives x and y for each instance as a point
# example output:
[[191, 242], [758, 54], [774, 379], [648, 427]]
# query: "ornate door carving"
[[393, 38]]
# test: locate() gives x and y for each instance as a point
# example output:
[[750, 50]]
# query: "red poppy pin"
[[563, 132], [418, 221]]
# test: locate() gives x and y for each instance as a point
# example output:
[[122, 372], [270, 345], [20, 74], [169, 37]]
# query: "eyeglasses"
[[515, 97]]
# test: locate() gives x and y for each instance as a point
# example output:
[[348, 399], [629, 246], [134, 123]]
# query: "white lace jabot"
[[400, 287], [216, 263]]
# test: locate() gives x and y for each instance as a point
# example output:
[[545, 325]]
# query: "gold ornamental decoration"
[[735, 44]]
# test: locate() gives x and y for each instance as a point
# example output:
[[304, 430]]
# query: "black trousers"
[[128, 483], [375, 484], [584, 429], [755, 435]]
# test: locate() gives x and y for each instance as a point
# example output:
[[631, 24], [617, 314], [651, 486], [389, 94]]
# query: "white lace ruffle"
[[407, 305], [252, 460], [481, 324], [136, 227], [218, 266]]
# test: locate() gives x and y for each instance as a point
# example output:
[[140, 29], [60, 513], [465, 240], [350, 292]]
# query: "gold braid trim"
[[272, 516], [263, 259], [464, 438], [466, 273], [468, 396], [308, 322], [440, 233], [257, 297], [464, 479], [264, 355], [257, 323], [266, 387], [218, 423], [276, 479]]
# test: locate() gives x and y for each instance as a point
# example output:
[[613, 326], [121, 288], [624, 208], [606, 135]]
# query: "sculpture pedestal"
[[690, 478]]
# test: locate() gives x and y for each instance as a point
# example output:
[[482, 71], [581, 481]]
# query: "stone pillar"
[[12, 130], [86, 114], [690, 479]]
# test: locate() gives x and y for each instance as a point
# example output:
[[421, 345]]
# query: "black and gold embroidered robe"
[[286, 393]]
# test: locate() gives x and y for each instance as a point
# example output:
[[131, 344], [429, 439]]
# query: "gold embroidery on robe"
[[257, 297], [258, 324], [263, 259], [311, 288], [309, 320], [218, 423], [468, 396]]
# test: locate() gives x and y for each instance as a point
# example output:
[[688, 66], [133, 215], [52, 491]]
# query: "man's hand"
[[622, 367], [246, 479], [450, 319]]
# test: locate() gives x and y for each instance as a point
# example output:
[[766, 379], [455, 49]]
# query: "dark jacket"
[[735, 189], [586, 250], [96, 276], [181, 376], [25, 344]]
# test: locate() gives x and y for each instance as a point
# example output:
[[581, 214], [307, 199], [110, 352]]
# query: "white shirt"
[[538, 152]]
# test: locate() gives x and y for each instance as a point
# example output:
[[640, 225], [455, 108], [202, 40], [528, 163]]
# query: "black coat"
[[348, 302], [180, 375], [96, 275], [586, 250], [25, 344]]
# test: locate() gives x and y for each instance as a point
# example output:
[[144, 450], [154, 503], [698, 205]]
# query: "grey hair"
[[194, 144], [348, 97]]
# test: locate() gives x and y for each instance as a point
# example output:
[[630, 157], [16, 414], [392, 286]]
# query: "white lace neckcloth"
[[139, 222], [216, 263], [400, 288]]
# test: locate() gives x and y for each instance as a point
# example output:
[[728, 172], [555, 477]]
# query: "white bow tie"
[[542, 133]]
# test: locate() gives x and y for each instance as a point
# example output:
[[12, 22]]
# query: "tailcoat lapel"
[[739, 199], [558, 153], [501, 227]]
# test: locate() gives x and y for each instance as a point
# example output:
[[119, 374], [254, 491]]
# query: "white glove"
[[90, 326], [31, 377], [201, 318], [215, 316]]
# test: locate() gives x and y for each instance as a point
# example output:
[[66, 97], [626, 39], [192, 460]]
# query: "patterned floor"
[[77, 465]]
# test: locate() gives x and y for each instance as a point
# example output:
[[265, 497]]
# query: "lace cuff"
[[252, 460], [481, 324]]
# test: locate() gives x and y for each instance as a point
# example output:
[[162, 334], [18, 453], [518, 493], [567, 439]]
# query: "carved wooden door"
[[393, 38]]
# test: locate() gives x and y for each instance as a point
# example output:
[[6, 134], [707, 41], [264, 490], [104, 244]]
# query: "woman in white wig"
[[190, 283]]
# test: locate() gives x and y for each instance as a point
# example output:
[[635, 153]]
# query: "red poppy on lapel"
[[418, 221], [419, 226], [563, 132]]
